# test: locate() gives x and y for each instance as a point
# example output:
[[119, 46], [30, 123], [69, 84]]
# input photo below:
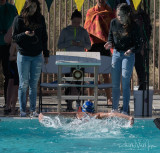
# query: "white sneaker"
[[125, 113], [114, 111], [34, 114], [23, 114]]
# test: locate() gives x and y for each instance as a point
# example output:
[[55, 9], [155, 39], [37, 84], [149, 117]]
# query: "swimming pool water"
[[71, 135]]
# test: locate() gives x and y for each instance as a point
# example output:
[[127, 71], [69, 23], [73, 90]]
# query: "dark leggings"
[[4, 57], [13, 72], [140, 69]]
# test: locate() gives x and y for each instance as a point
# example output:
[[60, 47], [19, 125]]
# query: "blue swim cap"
[[88, 107]]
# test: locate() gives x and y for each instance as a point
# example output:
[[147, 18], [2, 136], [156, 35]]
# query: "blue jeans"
[[29, 69], [121, 65]]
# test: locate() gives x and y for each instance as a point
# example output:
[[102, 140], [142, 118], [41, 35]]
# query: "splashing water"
[[60, 134], [48, 122], [88, 127]]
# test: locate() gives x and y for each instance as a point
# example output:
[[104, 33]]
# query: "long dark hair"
[[126, 9], [33, 21]]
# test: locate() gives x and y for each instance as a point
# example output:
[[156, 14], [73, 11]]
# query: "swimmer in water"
[[88, 109]]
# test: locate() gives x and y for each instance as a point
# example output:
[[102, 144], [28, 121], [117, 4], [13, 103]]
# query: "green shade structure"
[[49, 3]]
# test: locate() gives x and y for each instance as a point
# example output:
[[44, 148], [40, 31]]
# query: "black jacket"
[[123, 41], [30, 46]]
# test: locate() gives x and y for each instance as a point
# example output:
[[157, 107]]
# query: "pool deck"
[[101, 106]]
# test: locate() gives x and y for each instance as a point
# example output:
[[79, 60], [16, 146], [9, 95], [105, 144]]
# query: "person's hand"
[[29, 33], [40, 117], [131, 120], [108, 45], [128, 52], [46, 60]]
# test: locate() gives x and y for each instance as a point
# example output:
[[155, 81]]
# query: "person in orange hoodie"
[[97, 24]]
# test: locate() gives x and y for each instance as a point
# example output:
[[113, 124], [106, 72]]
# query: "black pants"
[[140, 69], [4, 58]]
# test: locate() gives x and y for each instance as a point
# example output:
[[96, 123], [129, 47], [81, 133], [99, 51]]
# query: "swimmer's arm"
[[106, 115], [13, 52], [40, 117], [102, 115], [116, 114], [130, 118]]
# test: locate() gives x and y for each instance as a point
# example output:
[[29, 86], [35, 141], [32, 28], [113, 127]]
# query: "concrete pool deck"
[[101, 106]]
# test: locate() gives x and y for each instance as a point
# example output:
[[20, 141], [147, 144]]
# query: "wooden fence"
[[59, 17]]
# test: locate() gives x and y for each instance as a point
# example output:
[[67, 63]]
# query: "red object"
[[86, 50], [97, 23], [111, 50], [79, 109]]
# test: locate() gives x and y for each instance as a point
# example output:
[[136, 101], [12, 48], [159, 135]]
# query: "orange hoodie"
[[98, 22]]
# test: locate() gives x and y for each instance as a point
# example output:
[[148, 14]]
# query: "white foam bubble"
[[88, 127]]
